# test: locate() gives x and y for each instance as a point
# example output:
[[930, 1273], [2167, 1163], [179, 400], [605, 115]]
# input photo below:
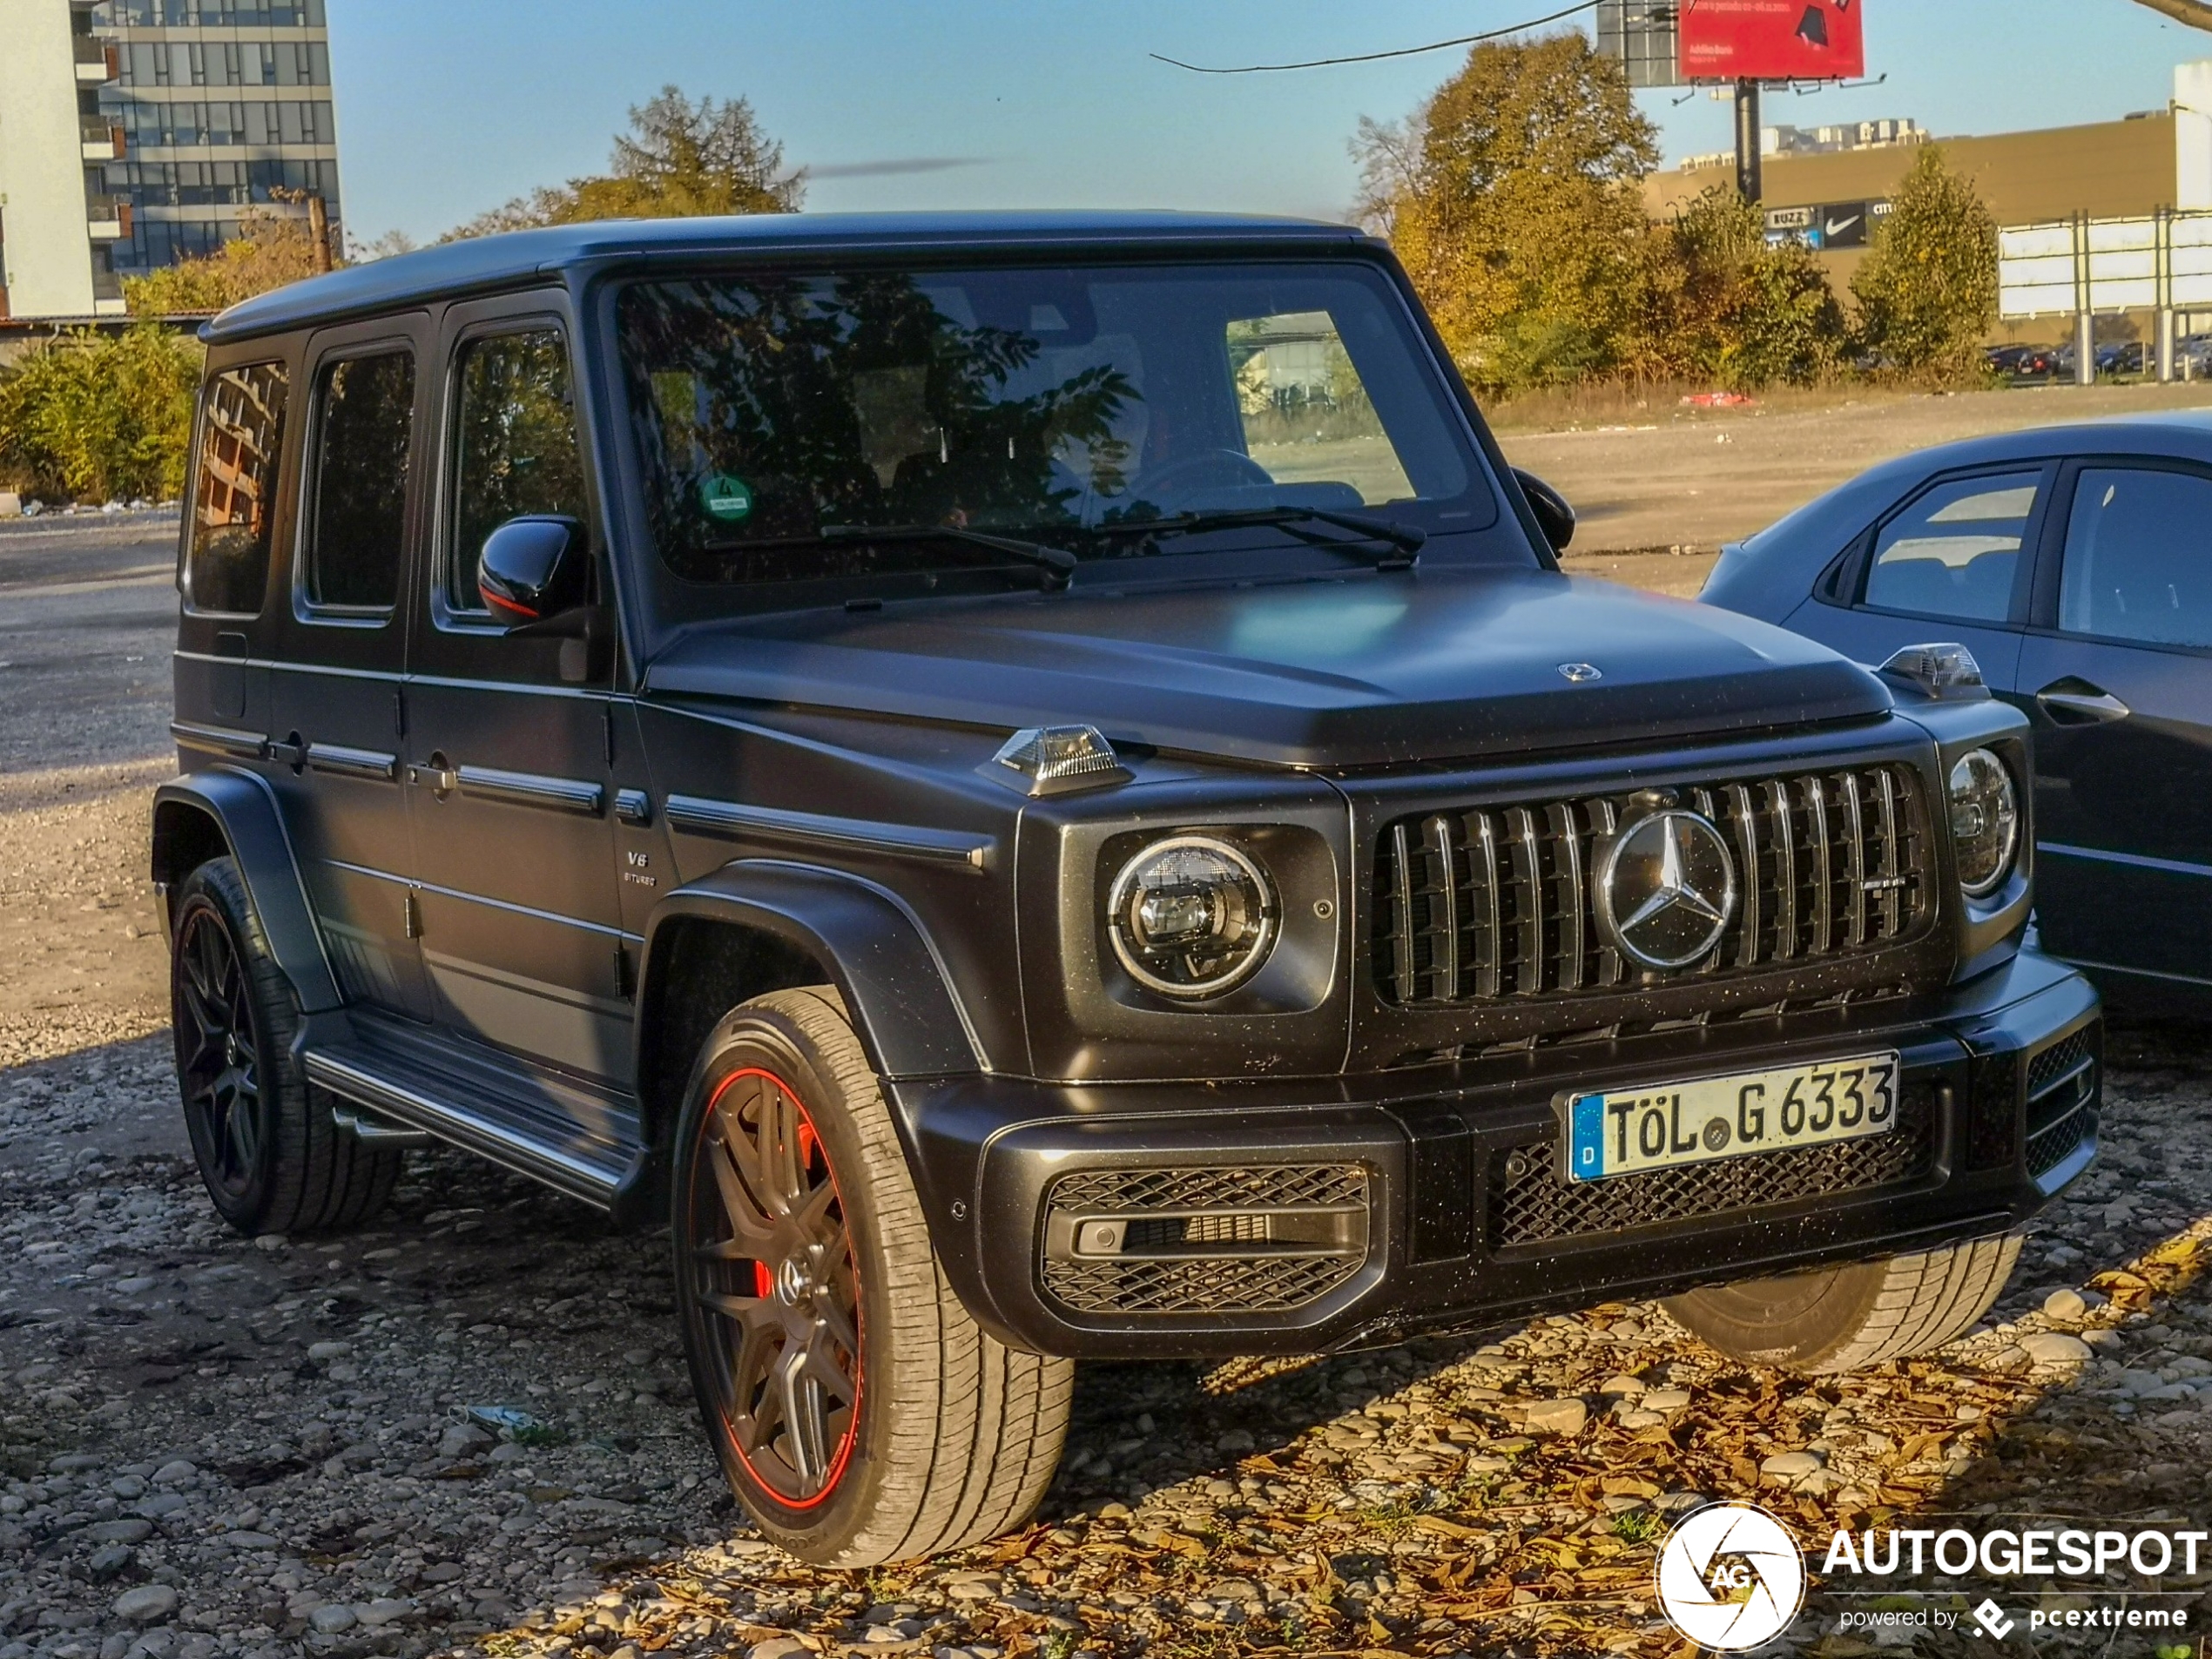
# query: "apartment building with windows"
[[134, 133], [58, 221]]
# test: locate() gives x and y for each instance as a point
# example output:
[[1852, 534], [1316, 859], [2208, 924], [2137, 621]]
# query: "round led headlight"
[[1985, 821], [1191, 917]]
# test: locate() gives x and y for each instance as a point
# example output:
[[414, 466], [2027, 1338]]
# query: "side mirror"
[[534, 568], [1553, 517]]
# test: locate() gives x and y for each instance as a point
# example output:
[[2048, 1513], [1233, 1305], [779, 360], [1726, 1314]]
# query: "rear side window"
[[364, 427], [518, 450], [2139, 557], [1956, 551], [241, 431]]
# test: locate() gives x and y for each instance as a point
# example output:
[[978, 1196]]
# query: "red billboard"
[[1772, 40]]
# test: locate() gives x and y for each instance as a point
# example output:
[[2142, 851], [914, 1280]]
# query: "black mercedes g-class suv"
[[1032, 788]]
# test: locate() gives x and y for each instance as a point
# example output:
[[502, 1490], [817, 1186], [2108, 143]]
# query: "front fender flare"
[[903, 1006], [244, 809]]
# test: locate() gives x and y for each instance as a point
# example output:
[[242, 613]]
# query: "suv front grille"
[[1532, 1203], [1500, 903]]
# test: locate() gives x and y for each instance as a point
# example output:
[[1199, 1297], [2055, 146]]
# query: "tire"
[[271, 1156], [1845, 1318], [916, 1432]]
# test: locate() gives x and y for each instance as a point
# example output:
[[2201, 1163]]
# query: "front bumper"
[[1306, 1217]]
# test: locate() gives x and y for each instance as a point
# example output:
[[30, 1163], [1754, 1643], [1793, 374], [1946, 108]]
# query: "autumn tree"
[[273, 246], [1927, 290], [1514, 197], [1726, 307], [678, 160]]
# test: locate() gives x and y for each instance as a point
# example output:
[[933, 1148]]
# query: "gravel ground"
[[215, 1446]]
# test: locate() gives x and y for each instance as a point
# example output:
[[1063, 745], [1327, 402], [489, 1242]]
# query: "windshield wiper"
[[1407, 540], [1057, 562]]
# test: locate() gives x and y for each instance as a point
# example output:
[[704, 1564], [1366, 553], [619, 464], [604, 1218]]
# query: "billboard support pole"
[[1749, 182], [2085, 321], [2165, 257]]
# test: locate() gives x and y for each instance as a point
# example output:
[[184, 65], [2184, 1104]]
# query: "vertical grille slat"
[[1479, 905], [1528, 902], [1574, 899], [1893, 866], [1823, 891], [1401, 966], [1444, 910], [1854, 860], [1785, 871], [1747, 862], [1482, 859]]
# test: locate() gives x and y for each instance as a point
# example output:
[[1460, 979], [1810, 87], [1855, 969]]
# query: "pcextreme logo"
[[1731, 1577]]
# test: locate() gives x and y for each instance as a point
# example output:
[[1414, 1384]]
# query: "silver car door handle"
[[2087, 704]]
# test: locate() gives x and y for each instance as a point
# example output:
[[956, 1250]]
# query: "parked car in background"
[[2076, 563]]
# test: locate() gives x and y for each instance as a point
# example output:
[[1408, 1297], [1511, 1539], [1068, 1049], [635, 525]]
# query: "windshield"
[[775, 415]]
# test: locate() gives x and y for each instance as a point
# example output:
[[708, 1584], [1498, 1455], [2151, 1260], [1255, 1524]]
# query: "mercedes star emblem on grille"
[[1666, 889]]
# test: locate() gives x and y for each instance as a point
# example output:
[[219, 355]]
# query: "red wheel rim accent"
[[773, 1281]]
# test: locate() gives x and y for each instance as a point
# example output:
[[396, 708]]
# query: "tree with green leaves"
[[100, 417], [1514, 197], [1927, 290], [678, 160], [1728, 307]]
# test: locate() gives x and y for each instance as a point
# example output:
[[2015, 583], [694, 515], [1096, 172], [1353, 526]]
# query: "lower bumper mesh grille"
[[2064, 1085], [1531, 1203], [1253, 1240]]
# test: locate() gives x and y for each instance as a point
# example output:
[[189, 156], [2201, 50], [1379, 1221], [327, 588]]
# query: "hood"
[[1441, 665]]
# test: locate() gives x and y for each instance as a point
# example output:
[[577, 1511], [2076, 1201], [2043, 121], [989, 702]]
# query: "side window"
[[2139, 557], [364, 426], [1955, 550], [241, 431], [518, 452], [1306, 414]]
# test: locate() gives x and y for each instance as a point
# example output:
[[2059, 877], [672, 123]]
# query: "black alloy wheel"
[[774, 1283], [219, 1064]]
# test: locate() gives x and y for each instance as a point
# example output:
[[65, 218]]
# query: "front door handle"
[[2074, 702]]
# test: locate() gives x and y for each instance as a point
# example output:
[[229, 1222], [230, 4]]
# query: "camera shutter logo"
[[1731, 1577]]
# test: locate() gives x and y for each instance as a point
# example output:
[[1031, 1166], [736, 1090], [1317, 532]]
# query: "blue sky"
[[447, 107]]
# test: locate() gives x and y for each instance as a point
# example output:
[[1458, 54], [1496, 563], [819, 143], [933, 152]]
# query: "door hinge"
[[399, 712], [414, 917], [625, 973], [607, 730]]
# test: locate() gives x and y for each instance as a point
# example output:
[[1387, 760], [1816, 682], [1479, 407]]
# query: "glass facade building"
[[221, 106]]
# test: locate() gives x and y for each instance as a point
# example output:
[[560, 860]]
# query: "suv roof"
[[488, 263]]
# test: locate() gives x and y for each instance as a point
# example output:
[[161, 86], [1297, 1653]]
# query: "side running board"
[[408, 1090]]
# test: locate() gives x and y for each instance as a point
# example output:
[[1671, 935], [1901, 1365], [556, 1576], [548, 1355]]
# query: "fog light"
[[1985, 821]]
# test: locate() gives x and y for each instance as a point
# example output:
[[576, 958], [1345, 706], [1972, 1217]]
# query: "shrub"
[[97, 418]]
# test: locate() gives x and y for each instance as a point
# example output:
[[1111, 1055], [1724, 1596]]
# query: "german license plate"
[[1630, 1132]]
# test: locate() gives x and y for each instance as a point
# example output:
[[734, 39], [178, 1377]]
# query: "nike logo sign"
[[1837, 227]]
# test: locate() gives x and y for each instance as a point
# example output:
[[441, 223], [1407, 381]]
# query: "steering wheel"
[[1209, 469]]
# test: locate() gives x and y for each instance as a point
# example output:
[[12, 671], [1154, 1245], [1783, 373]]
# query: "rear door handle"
[[2072, 702]]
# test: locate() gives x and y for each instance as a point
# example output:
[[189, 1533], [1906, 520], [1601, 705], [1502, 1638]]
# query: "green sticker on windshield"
[[726, 498]]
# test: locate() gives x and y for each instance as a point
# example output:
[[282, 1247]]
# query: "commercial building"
[[134, 133], [1833, 197]]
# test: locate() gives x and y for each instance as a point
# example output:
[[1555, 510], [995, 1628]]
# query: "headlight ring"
[[1192, 916], [1985, 821]]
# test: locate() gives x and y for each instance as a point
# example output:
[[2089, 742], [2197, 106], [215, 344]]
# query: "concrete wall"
[[2193, 134], [48, 248]]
